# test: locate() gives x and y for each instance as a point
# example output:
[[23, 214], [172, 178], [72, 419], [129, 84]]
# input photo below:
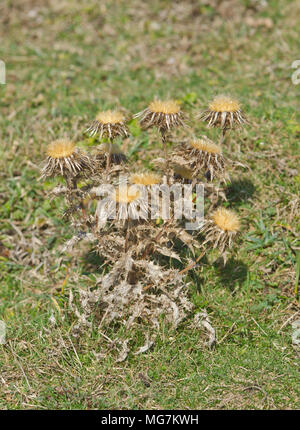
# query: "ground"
[[67, 59]]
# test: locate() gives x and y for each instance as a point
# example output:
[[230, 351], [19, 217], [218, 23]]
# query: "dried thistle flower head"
[[126, 195], [110, 117], [226, 220], [126, 202], [205, 145], [61, 149], [146, 179], [168, 107], [110, 123], [225, 112], [161, 114], [63, 158], [201, 156], [223, 103], [221, 228]]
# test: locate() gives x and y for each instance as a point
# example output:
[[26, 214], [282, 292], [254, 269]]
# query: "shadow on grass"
[[195, 276], [239, 191], [232, 274]]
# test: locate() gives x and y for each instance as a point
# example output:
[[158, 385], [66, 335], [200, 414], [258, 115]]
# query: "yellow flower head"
[[224, 104], [145, 178], [182, 171], [110, 117], [61, 148], [168, 107], [126, 194], [205, 145], [226, 220]]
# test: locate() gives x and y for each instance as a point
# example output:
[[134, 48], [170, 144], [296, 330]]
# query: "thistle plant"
[[138, 285]]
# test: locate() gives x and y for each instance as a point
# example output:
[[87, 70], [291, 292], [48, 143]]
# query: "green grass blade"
[[297, 273]]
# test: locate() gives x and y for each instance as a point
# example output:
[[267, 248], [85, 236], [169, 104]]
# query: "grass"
[[64, 62]]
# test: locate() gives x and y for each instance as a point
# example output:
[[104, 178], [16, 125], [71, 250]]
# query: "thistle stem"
[[222, 137], [108, 159], [127, 236], [71, 183], [164, 141]]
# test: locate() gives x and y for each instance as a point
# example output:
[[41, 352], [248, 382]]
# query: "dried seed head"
[[61, 148], [126, 202], [205, 145], [63, 158], [126, 194], [110, 117], [226, 220], [161, 114], [168, 107], [145, 179], [221, 229], [109, 123], [201, 156], [224, 112], [224, 104]]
